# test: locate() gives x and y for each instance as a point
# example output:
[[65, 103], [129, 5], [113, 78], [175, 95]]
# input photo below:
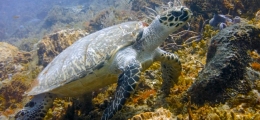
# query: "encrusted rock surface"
[[159, 114], [53, 44], [11, 60], [15, 77], [224, 75], [232, 7]]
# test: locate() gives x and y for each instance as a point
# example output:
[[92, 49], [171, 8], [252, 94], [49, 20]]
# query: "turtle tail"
[[126, 85], [36, 108]]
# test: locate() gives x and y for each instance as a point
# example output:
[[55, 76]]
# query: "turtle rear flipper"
[[127, 82], [36, 108]]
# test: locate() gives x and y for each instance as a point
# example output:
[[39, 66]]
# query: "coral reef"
[[60, 106], [51, 45], [12, 60], [12, 91], [221, 112], [239, 102], [255, 66], [193, 59], [159, 114], [108, 18], [205, 9], [144, 95], [227, 57], [16, 74], [233, 7]]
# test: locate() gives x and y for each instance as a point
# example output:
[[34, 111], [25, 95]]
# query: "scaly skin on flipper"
[[36, 108], [171, 70], [127, 82]]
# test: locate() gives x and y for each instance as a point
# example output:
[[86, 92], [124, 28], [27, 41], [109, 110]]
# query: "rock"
[[7, 51], [225, 73], [11, 60], [53, 44]]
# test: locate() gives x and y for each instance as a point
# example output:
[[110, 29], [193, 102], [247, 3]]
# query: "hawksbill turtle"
[[115, 54]]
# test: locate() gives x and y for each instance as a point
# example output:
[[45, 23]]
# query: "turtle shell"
[[74, 70]]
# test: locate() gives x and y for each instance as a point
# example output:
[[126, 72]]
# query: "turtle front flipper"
[[127, 82], [171, 69], [36, 108]]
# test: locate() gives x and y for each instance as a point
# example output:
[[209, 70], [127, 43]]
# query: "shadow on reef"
[[225, 73]]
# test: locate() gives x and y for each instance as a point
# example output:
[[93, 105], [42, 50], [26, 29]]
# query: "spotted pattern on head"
[[175, 17]]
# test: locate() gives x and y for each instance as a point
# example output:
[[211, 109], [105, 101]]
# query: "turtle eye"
[[176, 13], [182, 8], [185, 14]]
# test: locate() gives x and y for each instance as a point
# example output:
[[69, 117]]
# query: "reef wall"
[[205, 8], [224, 75], [12, 60]]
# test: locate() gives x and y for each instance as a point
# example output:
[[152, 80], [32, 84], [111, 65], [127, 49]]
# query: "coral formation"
[[58, 110], [16, 74], [11, 91], [159, 114], [144, 100], [227, 57], [144, 95], [12, 60], [232, 7], [255, 66]]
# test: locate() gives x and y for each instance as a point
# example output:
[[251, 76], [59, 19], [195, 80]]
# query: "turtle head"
[[175, 17], [169, 19]]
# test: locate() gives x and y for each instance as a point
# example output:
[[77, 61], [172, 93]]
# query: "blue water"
[[20, 18]]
